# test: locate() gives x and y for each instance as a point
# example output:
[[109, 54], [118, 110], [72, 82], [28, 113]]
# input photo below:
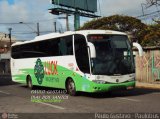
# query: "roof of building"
[[5, 37]]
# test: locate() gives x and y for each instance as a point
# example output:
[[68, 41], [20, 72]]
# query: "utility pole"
[[67, 22], [10, 35], [38, 29], [55, 26], [76, 20]]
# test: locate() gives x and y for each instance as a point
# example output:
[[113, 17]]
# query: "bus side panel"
[[49, 72], [17, 74], [54, 74]]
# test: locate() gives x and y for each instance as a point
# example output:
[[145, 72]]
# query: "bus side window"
[[15, 52], [66, 46], [81, 53]]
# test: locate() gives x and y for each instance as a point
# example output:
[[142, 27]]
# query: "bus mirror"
[[139, 47], [92, 50]]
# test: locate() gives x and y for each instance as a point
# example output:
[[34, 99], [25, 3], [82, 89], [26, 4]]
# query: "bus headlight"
[[99, 81]]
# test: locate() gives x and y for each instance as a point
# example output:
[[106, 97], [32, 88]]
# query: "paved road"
[[16, 98]]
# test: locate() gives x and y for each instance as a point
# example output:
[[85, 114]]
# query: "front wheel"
[[71, 88]]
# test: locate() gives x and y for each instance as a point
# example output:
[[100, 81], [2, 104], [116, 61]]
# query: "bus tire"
[[29, 82], [70, 87]]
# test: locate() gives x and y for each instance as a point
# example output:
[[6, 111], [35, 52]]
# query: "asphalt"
[[16, 99]]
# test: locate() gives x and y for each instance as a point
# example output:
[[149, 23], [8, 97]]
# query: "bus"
[[79, 61]]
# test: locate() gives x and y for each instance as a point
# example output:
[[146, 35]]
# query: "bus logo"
[[39, 71], [4, 115]]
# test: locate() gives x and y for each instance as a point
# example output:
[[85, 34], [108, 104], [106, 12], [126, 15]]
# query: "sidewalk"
[[148, 85]]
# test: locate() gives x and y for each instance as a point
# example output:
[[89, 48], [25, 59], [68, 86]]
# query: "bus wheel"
[[29, 82], [71, 89]]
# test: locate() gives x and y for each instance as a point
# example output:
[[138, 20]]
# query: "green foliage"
[[119, 23], [152, 37], [147, 35]]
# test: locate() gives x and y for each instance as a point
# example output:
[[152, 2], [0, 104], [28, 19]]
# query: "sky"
[[23, 15]]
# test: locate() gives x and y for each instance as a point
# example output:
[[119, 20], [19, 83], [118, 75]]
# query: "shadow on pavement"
[[118, 93], [121, 93], [6, 80]]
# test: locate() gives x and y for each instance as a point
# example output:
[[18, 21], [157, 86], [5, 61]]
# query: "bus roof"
[[56, 35]]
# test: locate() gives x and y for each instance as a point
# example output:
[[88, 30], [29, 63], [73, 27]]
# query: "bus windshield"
[[113, 55]]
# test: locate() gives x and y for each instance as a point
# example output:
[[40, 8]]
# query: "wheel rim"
[[29, 83], [71, 86]]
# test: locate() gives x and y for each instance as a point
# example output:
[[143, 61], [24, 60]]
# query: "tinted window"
[[113, 55], [81, 53], [51, 47], [66, 46]]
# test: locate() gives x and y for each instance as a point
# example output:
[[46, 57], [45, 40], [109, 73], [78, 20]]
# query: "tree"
[[119, 23], [152, 38]]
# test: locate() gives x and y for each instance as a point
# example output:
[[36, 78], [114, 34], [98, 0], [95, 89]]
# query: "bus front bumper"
[[94, 87]]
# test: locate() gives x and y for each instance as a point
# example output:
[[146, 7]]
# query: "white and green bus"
[[87, 61]]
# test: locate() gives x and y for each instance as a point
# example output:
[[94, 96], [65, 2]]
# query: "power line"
[[29, 22], [14, 23], [31, 32], [145, 6], [148, 14], [23, 33]]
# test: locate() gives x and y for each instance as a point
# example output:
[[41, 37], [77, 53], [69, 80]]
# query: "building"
[[5, 53]]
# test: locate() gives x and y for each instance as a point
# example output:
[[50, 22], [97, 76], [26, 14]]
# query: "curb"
[[148, 85]]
